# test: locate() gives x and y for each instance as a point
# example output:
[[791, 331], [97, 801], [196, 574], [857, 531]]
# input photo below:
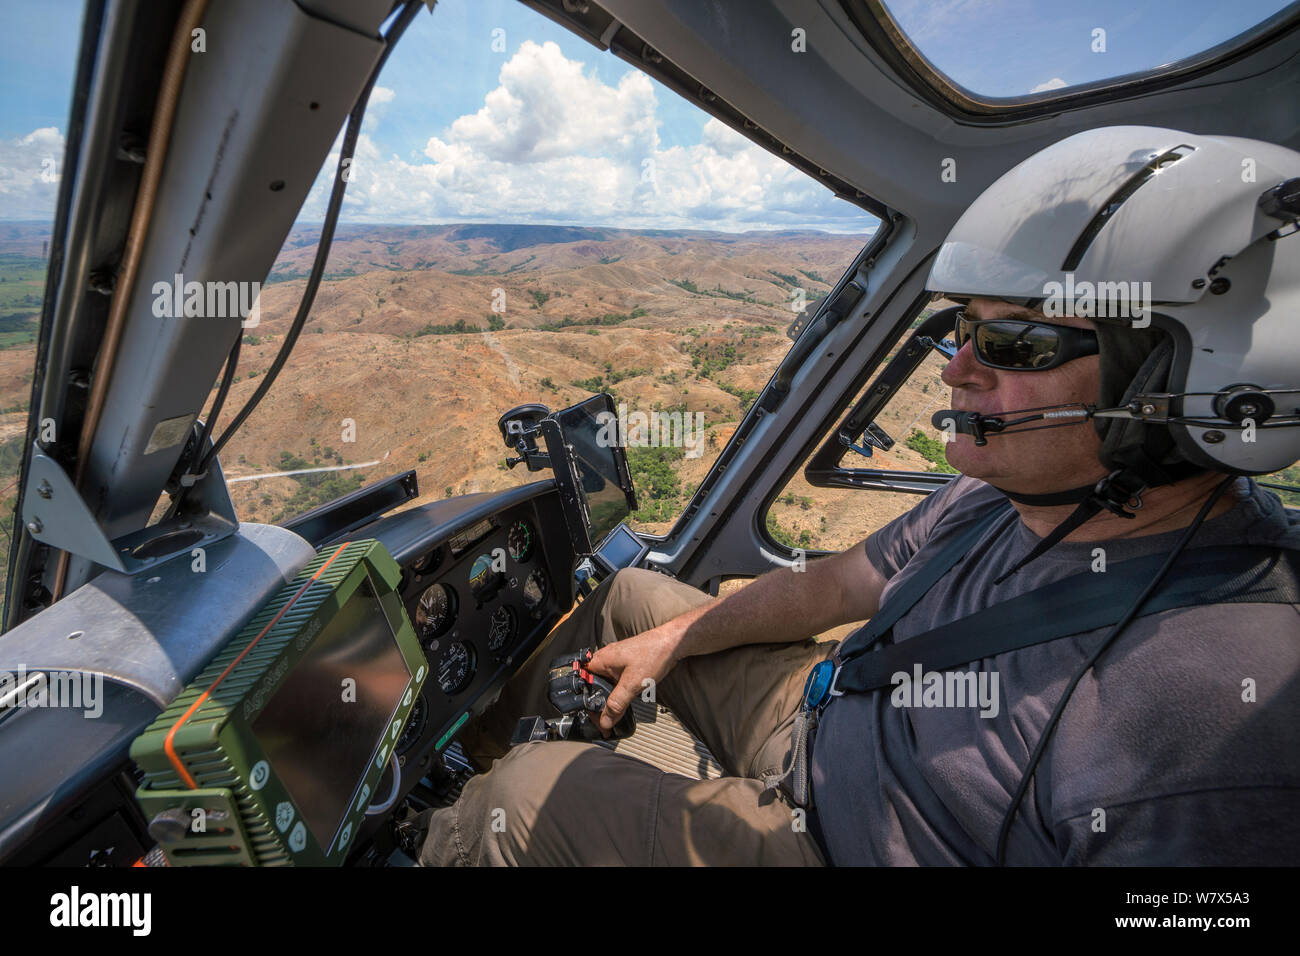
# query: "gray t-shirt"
[[1161, 756]]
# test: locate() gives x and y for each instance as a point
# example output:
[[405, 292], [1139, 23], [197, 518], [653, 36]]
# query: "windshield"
[[38, 51], [528, 220]]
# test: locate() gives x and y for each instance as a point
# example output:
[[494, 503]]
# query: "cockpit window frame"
[[886, 37]]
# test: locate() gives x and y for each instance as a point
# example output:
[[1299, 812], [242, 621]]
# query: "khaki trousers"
[[557, 803]]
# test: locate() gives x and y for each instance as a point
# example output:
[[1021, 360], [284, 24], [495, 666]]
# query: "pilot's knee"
[[627, 605], [498, 810], [640, 599], [628, 583]]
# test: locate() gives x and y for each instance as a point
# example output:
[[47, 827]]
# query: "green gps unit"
[[271, 756]]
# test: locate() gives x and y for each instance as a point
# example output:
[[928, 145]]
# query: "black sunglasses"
[[1019, 345]]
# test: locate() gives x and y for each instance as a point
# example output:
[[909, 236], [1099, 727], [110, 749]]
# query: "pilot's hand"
[[647, 656]]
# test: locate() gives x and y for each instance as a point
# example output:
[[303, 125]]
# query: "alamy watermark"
[[1098, 300], [77, 908], [675, 429], [946, 689], [208, 300], [79, 690]]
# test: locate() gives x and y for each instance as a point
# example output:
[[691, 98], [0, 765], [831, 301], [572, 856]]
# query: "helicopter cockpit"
[[282, 680]]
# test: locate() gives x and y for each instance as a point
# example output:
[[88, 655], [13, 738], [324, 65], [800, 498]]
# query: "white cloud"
[[1055, 83], [552, 143], [30, 168]]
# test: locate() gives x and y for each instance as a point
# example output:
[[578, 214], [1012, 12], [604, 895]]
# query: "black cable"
[[1025, 778], [1272, 484], [209, 423], [402, 21]]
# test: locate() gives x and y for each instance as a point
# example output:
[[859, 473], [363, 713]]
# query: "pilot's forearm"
[[779, 607]]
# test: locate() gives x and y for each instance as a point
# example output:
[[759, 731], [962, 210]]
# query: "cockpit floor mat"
[[662, 741]]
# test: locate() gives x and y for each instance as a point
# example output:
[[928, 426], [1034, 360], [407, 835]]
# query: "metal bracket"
[[873, 436], [55, 514]]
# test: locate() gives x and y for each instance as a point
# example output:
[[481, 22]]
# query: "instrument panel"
[[480, 601]]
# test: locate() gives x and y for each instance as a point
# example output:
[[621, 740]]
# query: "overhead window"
[[1005, 53]]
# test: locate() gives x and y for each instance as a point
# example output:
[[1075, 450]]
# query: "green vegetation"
[[814, 276], [782, 536], [11, 458], [710, 357], [614, 377], [654, 475], [288, 275], [716, 292], [609, 318], [745, 395], [313, 489], [460, 326], [931, 449], [721, 293], [606, 382], [539, 298], [496, 323], [22, 289], [787, 279], [1287, 476]]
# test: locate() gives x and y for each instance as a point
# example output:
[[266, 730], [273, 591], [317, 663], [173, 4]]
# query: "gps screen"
[[320, 729]]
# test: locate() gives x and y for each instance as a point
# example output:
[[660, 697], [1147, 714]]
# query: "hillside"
[[404, 341], [422, 336]]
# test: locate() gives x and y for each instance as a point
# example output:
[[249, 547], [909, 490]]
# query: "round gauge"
[[501, 628], [435, 611], [535, 590], [520, 540], [483, 579], [427, 562], [414, 726], [456, 667]]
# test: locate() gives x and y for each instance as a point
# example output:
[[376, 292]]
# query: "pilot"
[[1116, 735]]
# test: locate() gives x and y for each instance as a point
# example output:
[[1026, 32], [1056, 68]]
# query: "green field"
[[22, 285]]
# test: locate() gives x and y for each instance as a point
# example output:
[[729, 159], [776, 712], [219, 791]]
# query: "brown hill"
[[686, 321], [421, 336]]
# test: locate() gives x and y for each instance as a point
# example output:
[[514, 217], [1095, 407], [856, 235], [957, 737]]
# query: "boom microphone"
[[980, 426], [967, 423]]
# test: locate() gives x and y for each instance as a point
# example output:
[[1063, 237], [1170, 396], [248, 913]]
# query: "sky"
[[1014, 47], [488, 112]]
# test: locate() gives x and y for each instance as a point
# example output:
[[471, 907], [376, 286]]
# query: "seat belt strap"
[[1238, 574], [795, 775], [904, 598]]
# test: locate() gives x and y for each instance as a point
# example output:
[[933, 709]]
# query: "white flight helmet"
[[1182, 250]]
